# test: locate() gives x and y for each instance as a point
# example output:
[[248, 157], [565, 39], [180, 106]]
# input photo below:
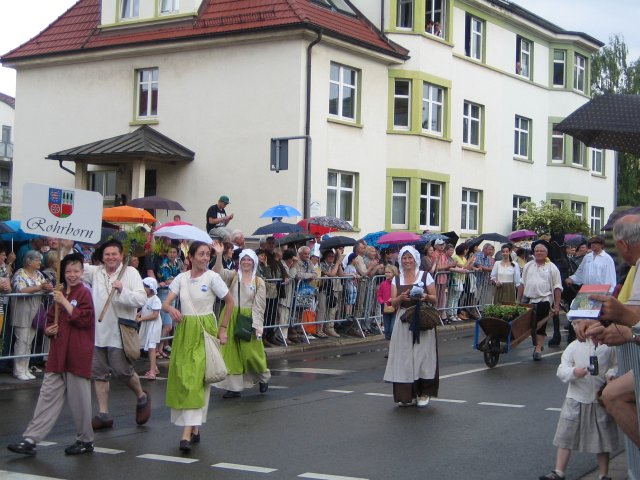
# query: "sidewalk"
[[617, 468]]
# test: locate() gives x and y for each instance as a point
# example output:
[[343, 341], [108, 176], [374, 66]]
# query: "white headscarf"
[[416, 256], [247, 252]]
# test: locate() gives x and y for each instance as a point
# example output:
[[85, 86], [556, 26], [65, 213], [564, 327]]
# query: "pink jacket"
[[384, 292]]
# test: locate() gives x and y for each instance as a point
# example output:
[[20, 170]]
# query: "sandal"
[[149, 376], [321, 335]]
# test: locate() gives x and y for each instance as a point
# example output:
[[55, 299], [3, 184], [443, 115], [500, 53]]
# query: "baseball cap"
[[223, 198]]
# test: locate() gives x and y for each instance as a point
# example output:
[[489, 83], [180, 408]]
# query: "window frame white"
[[129, 9], [428, 199], [151, 84], [557, 136], [342, 86], [432, 13], [581, 149], [517, 210], [402, 97], [597, 158], [338, 190], [169, 6], [431, 104], [475, 37], [402, 14], [578, 209], [401, 196], [562, 62], [579, 72], [108, 179], [468, 122], [521, 133], [596, 220], [522, 54], [466, 205]]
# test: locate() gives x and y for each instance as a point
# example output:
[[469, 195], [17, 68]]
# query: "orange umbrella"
[[126, 214]]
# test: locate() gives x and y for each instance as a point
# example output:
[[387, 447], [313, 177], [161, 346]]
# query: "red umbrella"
[[315, 229], [399, 238]]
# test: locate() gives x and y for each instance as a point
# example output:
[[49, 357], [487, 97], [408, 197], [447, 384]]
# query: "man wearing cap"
[[217, 216], [597, 267]]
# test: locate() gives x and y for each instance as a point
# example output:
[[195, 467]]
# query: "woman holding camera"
[[412, 366]]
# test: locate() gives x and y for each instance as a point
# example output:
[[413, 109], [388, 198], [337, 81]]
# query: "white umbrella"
[[183, 232]]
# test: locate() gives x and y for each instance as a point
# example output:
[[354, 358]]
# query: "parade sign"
[[62, 212]]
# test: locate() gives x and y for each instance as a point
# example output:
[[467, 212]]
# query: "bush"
[[548, 218], [504, 312]]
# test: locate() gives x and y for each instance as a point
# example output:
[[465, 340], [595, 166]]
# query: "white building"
[[7, 116], [410, 130]]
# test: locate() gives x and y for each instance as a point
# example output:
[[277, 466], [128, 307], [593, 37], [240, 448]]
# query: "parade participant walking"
[[412, 367], [197, 288], [150, 325], [117, 293], [68, 371], [245, 360]]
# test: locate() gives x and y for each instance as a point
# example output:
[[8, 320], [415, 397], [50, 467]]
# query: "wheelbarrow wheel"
[[491, 351]]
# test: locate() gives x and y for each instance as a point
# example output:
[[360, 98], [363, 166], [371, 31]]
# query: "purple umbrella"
[[520, 234], [399, 238]]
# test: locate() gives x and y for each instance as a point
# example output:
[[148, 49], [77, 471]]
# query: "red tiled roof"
[[77, 29]]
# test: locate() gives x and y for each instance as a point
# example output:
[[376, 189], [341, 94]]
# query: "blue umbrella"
[[430, 237], [17, 235], [281, 211], [372, 239]]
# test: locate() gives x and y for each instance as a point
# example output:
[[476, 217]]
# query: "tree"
[[549, 218], [610, 73]]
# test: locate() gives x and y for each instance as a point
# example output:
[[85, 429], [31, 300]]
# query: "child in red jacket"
[[384, 297]]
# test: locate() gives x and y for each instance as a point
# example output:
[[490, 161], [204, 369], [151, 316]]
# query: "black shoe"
[[554, 342], [195, 437], [231, 394], [264, 387], [185, 446], [98, 422], [24, 448], [79, 447]]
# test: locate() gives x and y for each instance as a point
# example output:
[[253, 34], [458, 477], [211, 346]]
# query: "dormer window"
[[130, 9], [169, 6]]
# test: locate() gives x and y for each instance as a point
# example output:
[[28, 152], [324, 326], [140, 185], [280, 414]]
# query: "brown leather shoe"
[[98, 423], [143, 410]]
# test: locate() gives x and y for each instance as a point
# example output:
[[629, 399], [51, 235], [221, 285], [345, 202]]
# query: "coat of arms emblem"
[[60, 202]]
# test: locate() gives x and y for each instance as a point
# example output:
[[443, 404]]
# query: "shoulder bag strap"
[[192, 307]]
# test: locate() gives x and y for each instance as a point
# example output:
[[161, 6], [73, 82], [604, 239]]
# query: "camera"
[[593, 365]]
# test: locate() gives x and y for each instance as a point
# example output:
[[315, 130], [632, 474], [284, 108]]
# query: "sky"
[[21, 20]]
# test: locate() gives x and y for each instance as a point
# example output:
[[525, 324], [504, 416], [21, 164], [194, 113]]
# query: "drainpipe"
[[382, 16], [307, 130], [65, 168]]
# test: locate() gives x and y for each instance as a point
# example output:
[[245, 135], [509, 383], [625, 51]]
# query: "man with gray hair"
[[237, 239]]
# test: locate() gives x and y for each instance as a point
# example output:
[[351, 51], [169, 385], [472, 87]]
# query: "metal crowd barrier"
[[470, 291], [628, 356]]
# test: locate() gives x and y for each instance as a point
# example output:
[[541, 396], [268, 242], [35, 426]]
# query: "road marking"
[[553, 409], [322, 476], [447, 400], [244, 468], [509, 405], [379, 394], [46, 444], [108, 451], [339, 391], [167, 458], [277, 387], [322, 371], [5, 475]]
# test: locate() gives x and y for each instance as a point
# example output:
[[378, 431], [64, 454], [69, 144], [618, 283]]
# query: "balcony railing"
[[6, 150]]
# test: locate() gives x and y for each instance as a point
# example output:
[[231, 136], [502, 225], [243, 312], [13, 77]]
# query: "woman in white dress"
[[187, 394], [413, 364]]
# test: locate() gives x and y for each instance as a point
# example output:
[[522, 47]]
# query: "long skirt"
[[187, 394], [585, 427], [413, 368], [505, 293], [246, 361]]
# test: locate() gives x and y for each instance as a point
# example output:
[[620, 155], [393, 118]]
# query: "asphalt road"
[[327, 415]]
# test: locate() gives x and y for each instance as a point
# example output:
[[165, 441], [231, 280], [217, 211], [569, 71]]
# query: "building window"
[[6, 146], [557, 146], [405, 14], [470, 211], [343, 92], [402, 104], [473, 37], [521, 137], [430, 205], [523, 57], [518, 209], [399, 204], [432, 111], [597, 219], [557, 203], [435, 17], [103, 182], [130, 9], [147, 93], [341, 188], [579, 153], [559, 68], [597, 165], [169, 6], [578, 209], [579, 73], [471, 124]]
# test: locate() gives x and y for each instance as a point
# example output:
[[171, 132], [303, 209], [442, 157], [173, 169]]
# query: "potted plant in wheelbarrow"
[[504, 326]]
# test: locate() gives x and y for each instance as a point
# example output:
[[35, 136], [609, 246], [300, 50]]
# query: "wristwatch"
[[635, 338], [636, 329]]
